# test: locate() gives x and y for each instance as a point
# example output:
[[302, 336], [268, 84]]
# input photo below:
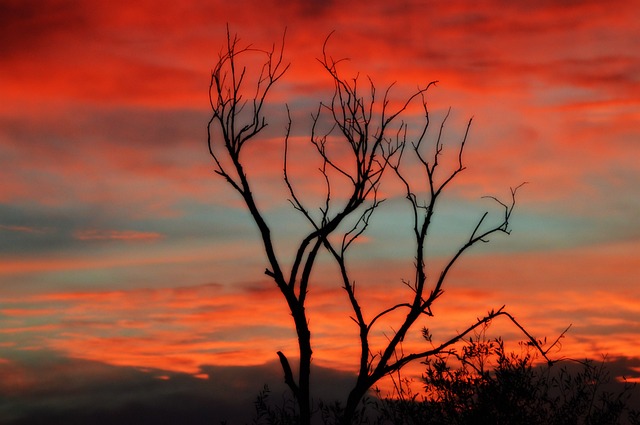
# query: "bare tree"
[[377, 140]]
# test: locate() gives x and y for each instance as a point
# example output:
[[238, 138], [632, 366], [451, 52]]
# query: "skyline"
[[120, 246]]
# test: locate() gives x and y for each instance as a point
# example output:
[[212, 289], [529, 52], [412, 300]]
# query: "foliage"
[[483, 383], [268, 413]]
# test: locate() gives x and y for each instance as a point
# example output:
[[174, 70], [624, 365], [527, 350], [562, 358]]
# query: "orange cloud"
[[20, 330], [182, 329], [23, 312], [23, 229]]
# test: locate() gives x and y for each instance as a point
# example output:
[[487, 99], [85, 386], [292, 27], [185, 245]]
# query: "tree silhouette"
[[378, 141]]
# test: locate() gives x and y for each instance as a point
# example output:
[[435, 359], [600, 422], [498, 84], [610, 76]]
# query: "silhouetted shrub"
[[270, 413], [484, 384]]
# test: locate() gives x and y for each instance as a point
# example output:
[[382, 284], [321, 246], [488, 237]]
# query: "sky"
[[127, 266]]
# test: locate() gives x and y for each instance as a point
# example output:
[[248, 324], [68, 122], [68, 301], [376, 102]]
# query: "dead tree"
[[377, 141]]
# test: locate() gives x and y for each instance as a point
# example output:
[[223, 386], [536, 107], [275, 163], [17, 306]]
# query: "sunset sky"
[[124, 258]]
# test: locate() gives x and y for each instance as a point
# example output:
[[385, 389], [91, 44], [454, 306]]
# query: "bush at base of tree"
[[484, 384], [480, 384]]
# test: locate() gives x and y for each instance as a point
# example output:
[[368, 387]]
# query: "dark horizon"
[[54, 390]]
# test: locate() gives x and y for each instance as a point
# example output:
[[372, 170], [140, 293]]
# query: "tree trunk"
[[355, 396], [304, 401], [304, 344]]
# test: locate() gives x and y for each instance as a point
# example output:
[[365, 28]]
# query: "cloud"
[[23, 312], [213, 324], [116, 235], [68, 391], [102, 142], [494, 59], [22, 229], [63, 390], [28, 28], [173, 331]]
